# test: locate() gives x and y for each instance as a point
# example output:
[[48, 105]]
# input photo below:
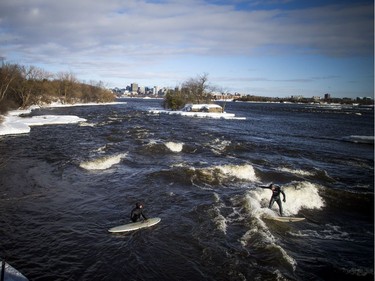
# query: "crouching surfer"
[[276, 190], [137, 213]]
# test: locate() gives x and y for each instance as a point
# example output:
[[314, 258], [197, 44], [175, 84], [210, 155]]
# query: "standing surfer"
[[276, 190], [137, 213]]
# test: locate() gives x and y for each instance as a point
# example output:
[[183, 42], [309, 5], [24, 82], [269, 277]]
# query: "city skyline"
[[275, 48], [134, 89]]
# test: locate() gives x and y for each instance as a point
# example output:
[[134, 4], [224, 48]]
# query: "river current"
[[63, 186]]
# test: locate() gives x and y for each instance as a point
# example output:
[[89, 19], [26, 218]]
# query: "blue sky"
[[259, 47]]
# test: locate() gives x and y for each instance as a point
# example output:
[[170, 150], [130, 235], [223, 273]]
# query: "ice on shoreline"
[[14, 123], [213, 115], [200, 111]]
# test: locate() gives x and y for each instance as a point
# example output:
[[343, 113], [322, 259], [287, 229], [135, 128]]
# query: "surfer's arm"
[[282, 192], [263, 186]]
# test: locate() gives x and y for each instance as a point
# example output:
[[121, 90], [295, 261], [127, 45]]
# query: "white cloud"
[[181, 26]]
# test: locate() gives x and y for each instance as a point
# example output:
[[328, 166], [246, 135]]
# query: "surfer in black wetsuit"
[[137, 213], [276, 190]]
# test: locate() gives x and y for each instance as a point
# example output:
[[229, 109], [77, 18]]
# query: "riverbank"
[[17, 121]]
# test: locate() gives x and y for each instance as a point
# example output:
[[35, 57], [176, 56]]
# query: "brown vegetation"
[[22, 86]]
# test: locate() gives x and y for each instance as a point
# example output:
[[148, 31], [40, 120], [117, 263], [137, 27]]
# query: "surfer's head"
[[139, 205]]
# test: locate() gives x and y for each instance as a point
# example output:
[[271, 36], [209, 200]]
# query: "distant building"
[[155, 90], [134, 87], [141, 90], [327, 96], [297, 98], [316, 98]]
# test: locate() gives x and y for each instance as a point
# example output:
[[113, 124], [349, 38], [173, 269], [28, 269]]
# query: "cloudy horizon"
[[266, 48]]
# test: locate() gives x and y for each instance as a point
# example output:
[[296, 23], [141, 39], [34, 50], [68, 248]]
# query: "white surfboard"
[[10, 273], [135, 225], [285, 219]]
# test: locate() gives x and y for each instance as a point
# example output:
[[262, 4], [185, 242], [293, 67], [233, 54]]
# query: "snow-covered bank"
[[14, 124], [18, 125], [223, 115]]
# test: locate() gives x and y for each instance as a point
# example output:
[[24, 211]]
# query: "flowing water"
[[63, 186]]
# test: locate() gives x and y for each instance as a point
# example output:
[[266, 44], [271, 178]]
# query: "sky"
[[273, 48]]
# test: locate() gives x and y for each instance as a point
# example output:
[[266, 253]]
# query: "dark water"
[[63, 186]]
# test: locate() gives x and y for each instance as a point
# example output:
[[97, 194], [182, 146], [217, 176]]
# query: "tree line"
[[360, 101], [22, 86]]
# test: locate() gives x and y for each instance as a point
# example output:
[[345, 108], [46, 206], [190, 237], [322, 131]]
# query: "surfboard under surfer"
[[276, 190], [137, 213]]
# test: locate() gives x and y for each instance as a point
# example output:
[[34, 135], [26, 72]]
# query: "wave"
[[298, 172], [174, 147], [225, 173], [208, 177], [313, 173], [218, 146], [359, 139], [219, 220], [358, 272], [101, 149], [159, 146], [86, 124], [331, 232], [299, 195], [102, 163], [259, 236]]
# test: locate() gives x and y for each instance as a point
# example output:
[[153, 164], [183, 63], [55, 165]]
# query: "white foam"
[[360, 139], [174, 147], [86, 124], [101, 149], [300, 195], [219, 220], [296, 171], [226, 173], [258, 226], [330, 232], [358, 271], [243, 172], [219, 145], [102, 163]]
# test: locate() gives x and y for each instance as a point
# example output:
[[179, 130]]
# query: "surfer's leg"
[[280, 207], [271, 203]]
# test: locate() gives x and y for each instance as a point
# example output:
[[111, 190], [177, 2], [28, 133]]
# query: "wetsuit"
[[276, 196], [136, 214]]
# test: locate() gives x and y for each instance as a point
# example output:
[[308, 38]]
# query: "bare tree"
[[68, 82], [198, 88], [194, 90], [8, 74], [29, 85]]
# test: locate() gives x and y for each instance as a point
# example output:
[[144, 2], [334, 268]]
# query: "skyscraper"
[[134, 87]]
